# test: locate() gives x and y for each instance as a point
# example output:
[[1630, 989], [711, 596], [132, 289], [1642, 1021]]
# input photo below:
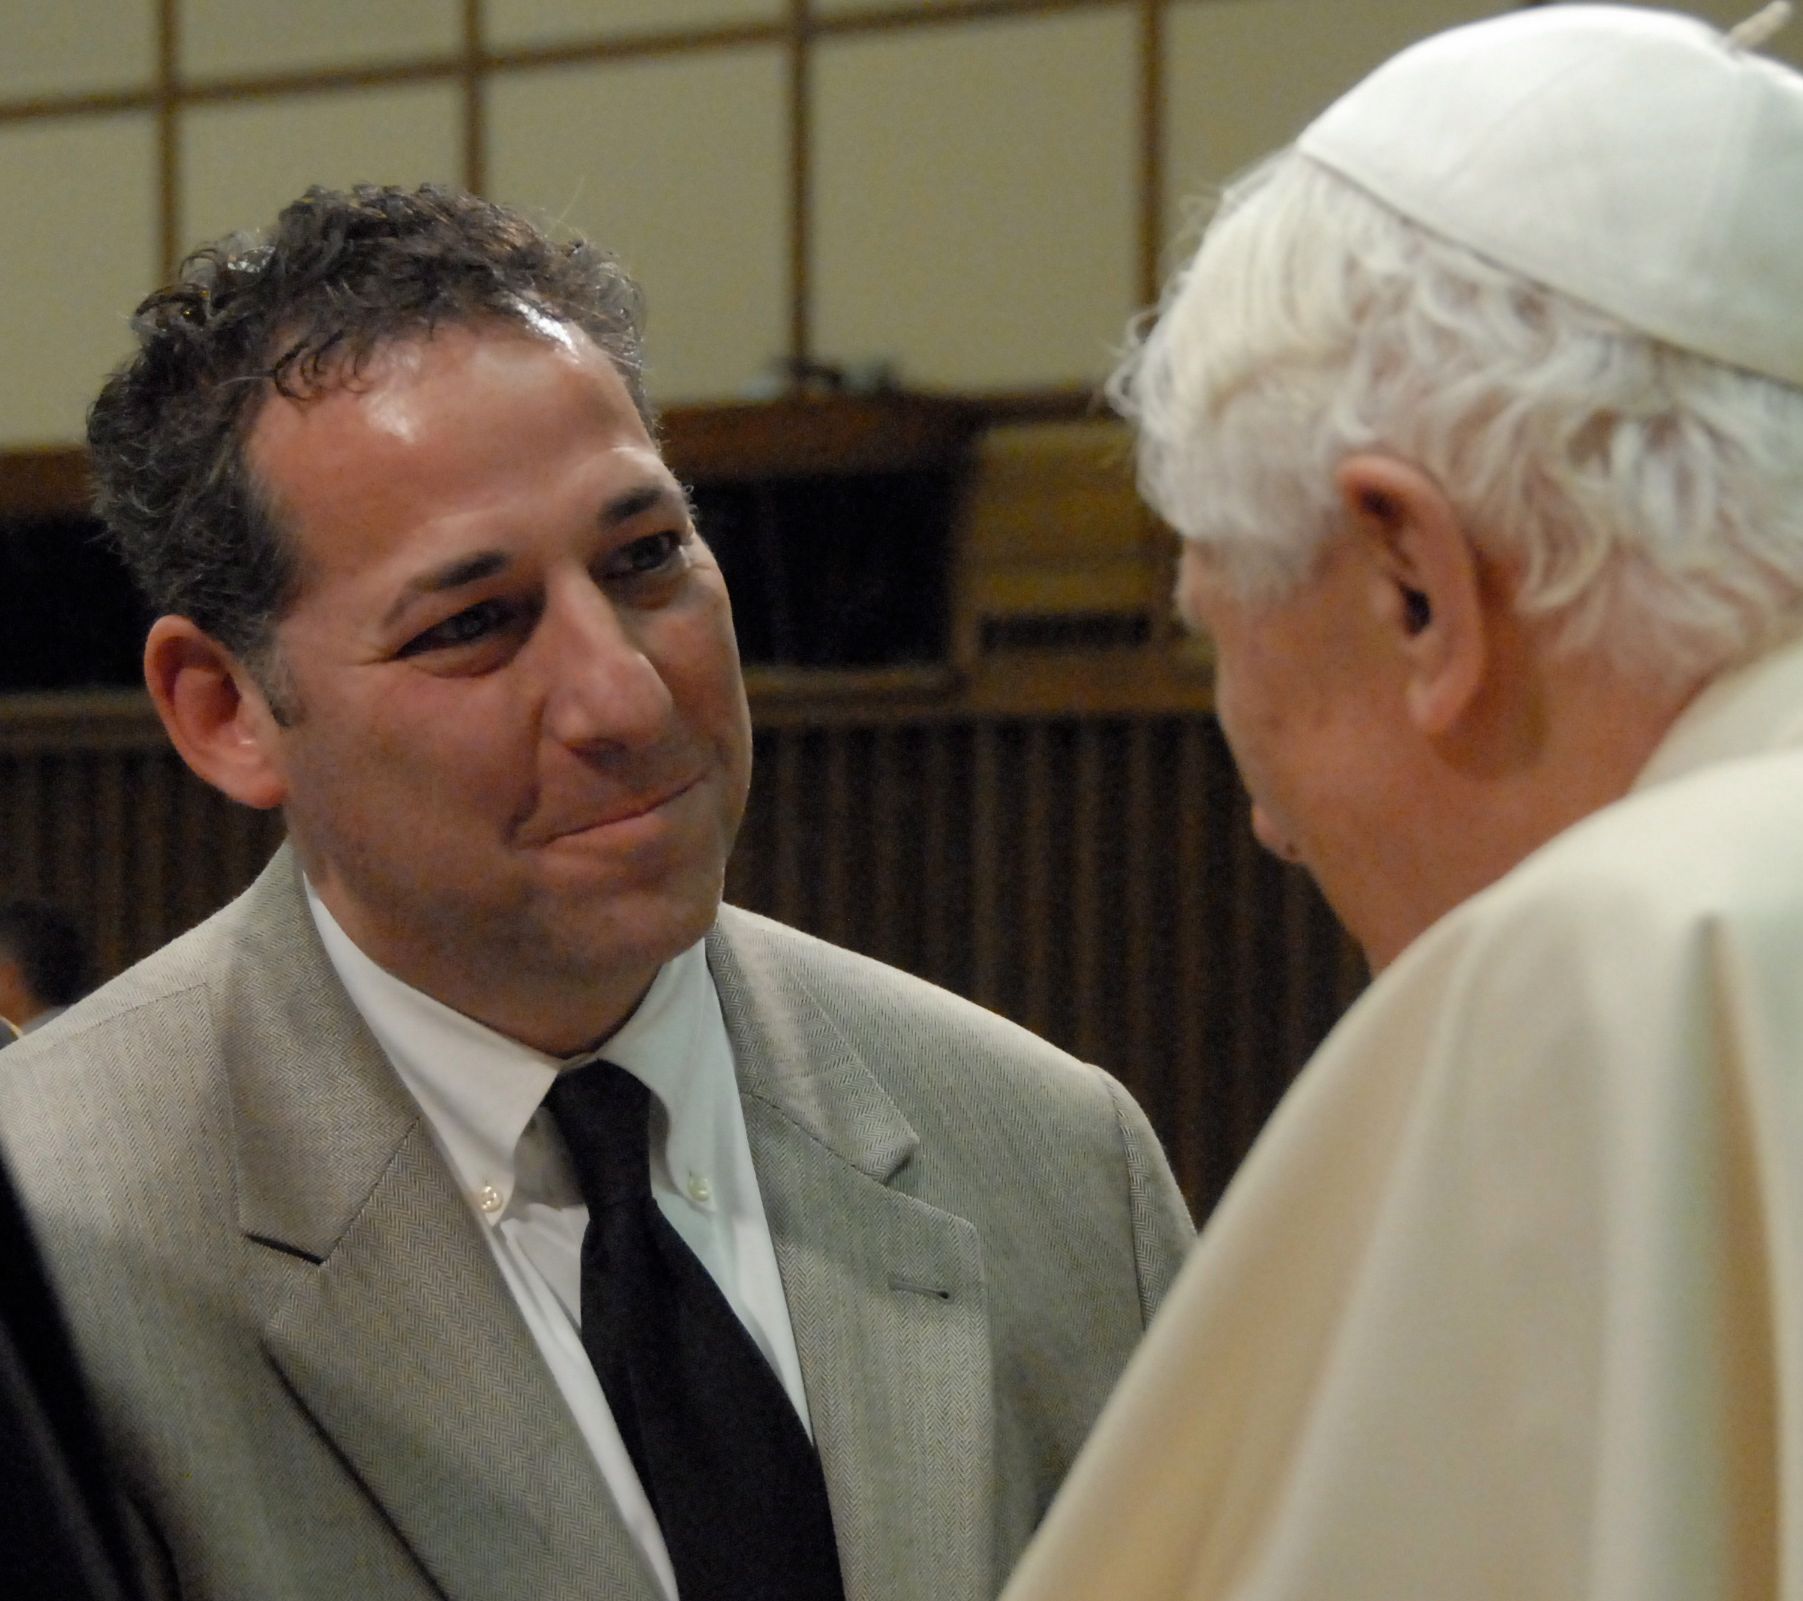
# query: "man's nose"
[[601, 686]]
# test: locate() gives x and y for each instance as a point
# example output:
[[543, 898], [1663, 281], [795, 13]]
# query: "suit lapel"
[[395, 1330], [885, 1292]]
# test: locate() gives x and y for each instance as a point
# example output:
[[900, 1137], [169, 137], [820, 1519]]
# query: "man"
[[314, 1182], [1481, 411], [43, 964]]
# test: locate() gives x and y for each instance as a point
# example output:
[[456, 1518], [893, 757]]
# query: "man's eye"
[[473, 623], [648, 555]]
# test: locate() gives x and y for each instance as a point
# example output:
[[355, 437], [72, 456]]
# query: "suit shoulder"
[[902, 1018], [1048, 1150], [132, 1046]]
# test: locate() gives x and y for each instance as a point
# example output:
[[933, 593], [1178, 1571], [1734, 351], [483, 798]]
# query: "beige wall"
[[981, 206]]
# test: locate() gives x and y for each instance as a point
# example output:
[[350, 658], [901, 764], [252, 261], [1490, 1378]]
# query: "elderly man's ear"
[[217, 715], [1428, 591]]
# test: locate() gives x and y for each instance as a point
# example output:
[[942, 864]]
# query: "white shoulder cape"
[[1507, 1302]]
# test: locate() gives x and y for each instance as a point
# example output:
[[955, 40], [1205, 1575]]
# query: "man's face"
[[521, 747], [1305, 695]]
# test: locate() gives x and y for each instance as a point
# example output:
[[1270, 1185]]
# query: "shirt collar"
[[479, 1090]]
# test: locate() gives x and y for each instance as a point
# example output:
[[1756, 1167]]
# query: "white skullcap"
[[1637, 161]]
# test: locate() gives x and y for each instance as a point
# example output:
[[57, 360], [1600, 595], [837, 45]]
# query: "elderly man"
[[1481, 411], [475, 1208]]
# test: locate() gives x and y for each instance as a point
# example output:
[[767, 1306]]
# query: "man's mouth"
[[622, 811]]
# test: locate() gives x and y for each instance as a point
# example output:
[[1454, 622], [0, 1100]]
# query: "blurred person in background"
[[44, 963]]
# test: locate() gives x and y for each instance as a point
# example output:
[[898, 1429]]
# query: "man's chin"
[[634, 931]]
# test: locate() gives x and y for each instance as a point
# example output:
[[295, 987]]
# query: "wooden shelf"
[[1055, 584], [1155, 681], [815, 436], [795, 436], [50, 482]]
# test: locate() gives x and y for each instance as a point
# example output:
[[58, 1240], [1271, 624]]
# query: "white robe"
[[1507, 1302]]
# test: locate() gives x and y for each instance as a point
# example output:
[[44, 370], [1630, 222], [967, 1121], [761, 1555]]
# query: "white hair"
[[1651, 500]]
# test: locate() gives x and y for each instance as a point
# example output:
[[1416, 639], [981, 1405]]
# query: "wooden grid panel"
[[800, 26]]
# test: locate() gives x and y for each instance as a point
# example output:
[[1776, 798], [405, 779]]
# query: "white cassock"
[[1507, 1301]]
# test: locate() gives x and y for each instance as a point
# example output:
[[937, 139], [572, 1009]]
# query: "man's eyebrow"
[[452, 575], [646, 497]]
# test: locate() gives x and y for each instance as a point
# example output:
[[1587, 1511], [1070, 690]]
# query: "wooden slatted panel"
[[1093, 878], [1087, 907], [126, 839]]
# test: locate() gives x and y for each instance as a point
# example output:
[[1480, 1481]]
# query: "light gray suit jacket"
[[317, 1385]]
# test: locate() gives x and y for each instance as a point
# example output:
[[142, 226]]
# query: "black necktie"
[[728, 1467]]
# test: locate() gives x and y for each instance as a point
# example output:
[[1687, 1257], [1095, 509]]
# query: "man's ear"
[[1429, 584], [217, 715]]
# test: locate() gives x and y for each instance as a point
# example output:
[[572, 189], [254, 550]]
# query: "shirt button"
[[700, 1191], [489, 1198]]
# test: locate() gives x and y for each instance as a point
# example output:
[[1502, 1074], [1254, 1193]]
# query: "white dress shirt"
[[482, 1097]]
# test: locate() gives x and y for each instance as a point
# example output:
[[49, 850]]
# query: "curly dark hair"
[[295, 310]]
